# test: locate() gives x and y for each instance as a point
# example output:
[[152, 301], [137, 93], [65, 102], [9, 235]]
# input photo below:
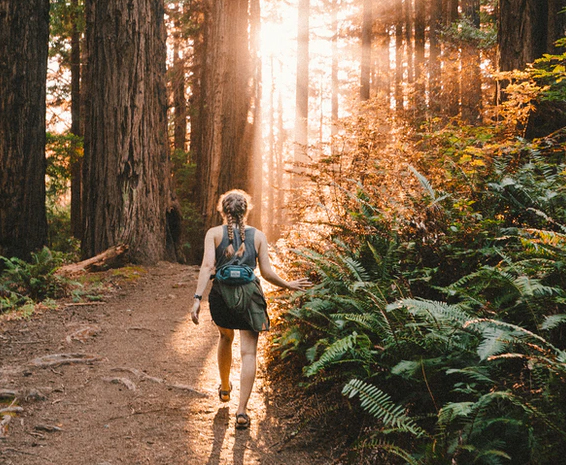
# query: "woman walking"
[[223, 245]]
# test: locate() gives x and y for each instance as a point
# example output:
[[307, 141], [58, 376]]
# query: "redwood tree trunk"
[[471, 70], [302, 86], [24, 37], [126, 175], [179, 99], [226, 137], [522, 32], [76, 125]]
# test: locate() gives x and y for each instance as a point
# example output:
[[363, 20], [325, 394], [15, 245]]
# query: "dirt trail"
[[147, 395]]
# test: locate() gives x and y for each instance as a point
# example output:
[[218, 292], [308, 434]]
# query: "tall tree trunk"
[[471, 71], [450, 64], [196, 102], [522, 32], [178, 86], [410, 54], [271, 166], [76, 124], [556, 24], [335, 88], [24, 38], [399, 98], [302, 87], [126, 173], [225, 135], [255, 174], [434, 55], [420, 23], [281, 188], [367, 26]]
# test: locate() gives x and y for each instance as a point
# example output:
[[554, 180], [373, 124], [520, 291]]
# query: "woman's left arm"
[[206, 269]]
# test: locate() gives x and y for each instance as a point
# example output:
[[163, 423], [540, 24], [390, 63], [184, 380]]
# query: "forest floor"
[[131, 380]]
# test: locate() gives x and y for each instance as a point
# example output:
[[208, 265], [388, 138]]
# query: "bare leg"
[[224, 356], [248, 350]]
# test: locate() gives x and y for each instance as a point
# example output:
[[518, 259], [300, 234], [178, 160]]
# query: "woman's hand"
[[195, 311], [299, 284]]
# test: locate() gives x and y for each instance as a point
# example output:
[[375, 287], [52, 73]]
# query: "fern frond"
[[393, 449], [332, 354], [379, 404], [553, 321]]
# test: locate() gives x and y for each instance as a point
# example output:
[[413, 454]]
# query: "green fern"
[[379, 404]]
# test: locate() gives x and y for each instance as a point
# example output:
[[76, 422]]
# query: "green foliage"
[[440, 295], [62, 151], [185, 187], [23, 283]]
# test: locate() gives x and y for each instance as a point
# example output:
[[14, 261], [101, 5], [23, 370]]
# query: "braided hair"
[[234, 206]]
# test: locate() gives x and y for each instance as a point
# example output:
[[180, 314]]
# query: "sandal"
[[242, 424], [224, 396]]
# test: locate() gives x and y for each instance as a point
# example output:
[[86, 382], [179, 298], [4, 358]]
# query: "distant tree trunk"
[[399, 99], [420, 23], [471, 71], [196, 102], [271, 166], [24, 38], [383, 61], [408, 13], [126, 172], [226, 137], [367, 25], [335, 89], [178, 86], [76, 124], [281, 139], [450, 64], [434, 55], [302, 88]]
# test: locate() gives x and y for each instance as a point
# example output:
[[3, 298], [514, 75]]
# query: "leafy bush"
[[440, 294], [22, 283]]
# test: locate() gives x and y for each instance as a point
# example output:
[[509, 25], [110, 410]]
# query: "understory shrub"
[[439, 296]]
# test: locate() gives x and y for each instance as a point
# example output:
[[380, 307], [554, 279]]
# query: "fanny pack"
[[234, 274]]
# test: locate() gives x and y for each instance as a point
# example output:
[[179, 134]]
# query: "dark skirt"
[[222, 315]]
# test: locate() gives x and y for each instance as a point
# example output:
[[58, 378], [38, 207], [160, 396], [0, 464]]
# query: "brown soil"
[[141, 388]]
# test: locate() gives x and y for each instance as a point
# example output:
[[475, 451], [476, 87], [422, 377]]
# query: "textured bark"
[[76, 125], [126, 172], [471, 71], [226, 137], [179, 100], [24, 36], [522, 32]]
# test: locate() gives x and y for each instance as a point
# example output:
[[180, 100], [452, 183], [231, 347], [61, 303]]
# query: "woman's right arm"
[[206, 269], [267, 271]]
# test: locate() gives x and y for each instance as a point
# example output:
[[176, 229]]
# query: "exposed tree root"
[[55, 360], [140, 374]]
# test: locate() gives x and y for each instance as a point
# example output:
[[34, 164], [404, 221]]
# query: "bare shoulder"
[[260, 240], [215, 234]]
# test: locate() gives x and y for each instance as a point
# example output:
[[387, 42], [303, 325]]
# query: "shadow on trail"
[[220, 426], [241, 444]]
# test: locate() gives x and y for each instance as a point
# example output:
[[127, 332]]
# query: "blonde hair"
[[234, 207]]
